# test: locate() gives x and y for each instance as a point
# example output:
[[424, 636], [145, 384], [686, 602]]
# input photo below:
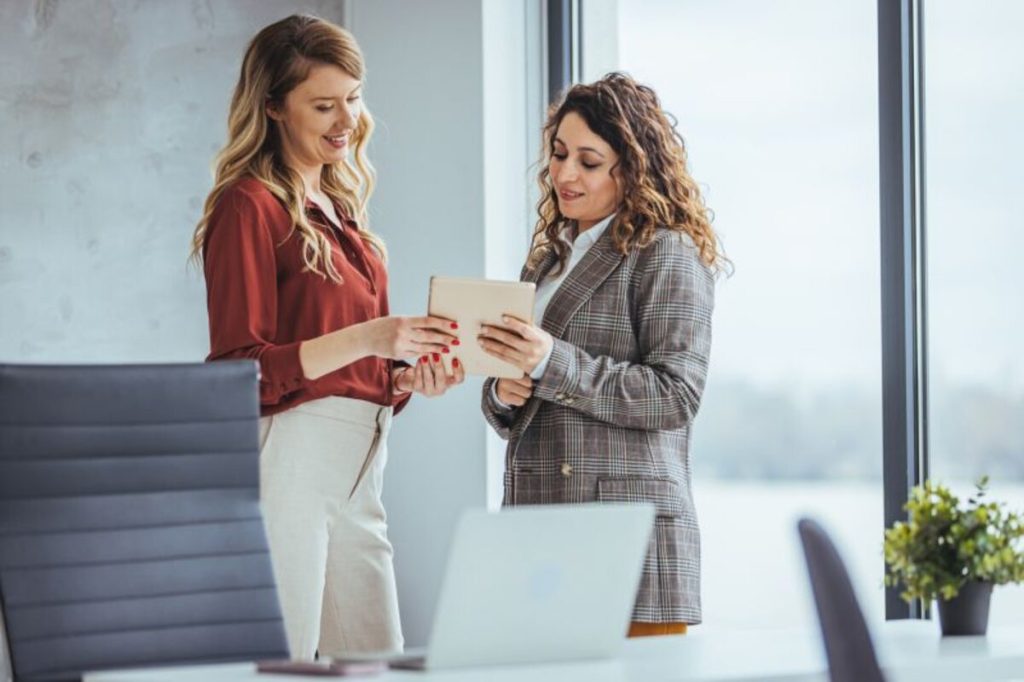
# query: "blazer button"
[[566, 469], [559, 396]]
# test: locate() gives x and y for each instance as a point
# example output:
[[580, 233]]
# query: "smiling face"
[[317, 118], [583, 172]]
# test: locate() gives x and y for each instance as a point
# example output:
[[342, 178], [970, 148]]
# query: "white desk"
[[909, 651]]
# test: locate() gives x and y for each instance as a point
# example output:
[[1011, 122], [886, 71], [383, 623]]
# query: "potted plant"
[[954, 554]]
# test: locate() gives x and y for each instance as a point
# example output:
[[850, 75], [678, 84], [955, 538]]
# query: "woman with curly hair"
[[297, 282], [624, 258]]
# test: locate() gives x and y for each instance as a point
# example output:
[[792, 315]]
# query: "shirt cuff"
[[538, 371], [280, 372]]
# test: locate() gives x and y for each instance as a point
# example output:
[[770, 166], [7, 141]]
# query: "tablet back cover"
[[472, 303]]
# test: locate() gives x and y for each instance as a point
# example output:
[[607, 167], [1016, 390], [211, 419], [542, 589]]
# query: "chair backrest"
[[848, 647], [130, 528]]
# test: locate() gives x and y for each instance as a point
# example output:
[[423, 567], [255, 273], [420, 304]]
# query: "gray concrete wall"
[[111, 112]]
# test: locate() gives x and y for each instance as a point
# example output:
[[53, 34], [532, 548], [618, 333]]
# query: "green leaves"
[[943, 545]]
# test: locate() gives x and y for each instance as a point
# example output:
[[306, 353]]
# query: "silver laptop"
[[538, 584]]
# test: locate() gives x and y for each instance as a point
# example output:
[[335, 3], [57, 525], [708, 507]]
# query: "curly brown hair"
[[657, 190]]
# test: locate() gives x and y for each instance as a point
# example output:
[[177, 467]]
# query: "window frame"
[[903, 265]]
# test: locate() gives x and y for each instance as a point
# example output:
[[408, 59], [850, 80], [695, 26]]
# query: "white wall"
[[513, 112], [599, 39]]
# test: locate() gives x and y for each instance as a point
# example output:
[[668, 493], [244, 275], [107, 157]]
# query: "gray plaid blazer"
[[610, 419]]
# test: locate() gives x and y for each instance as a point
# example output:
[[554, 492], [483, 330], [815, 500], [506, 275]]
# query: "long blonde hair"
[[277, 60], [658, 191]]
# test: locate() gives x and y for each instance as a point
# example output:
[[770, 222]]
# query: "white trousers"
[[321, 475]]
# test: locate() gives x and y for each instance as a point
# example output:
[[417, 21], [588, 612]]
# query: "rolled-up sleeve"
[[240, 265]]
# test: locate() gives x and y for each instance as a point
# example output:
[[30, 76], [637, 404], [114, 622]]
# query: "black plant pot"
[[967, 613]]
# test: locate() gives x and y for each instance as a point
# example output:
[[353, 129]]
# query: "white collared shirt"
[[550, 285]]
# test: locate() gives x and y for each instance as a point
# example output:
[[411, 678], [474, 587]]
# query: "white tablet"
[[472, 303]]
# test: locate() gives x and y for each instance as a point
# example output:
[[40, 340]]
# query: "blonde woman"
[[297, 282], [624, 257]]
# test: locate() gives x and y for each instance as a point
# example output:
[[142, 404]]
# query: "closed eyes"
[[563, 156]]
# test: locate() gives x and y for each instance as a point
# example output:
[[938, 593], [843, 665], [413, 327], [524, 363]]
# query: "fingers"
[[432, 376], [518, 326], [458, 374], [518, 390], [430, 337], [500, 335], [403, 337], [404, 378], [511, 392], [429, 347], [418, 380], [499, 350], [502, 343], [440, 373], [425, 349], [513, 400], [425, 340], [525, 381], [520, 344], [429, 374], [431, 322], [506, 396]]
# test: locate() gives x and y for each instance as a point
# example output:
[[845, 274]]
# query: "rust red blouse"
[[263, 304]]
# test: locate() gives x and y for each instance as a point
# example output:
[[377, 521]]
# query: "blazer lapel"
[[536, 274], [595, 267]]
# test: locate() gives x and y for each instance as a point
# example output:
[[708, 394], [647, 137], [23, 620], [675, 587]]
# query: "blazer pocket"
[[662, 492]]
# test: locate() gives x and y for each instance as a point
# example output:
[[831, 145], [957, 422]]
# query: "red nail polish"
[[423, 359], [437, 358], [445, 349], [455, 325], [455, 342], [455, 362]]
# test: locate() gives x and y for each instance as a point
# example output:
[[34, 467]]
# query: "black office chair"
[[848, 647], [130, 529]]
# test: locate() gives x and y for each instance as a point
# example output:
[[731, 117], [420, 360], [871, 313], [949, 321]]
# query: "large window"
[[777, 102], [974, 105]]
